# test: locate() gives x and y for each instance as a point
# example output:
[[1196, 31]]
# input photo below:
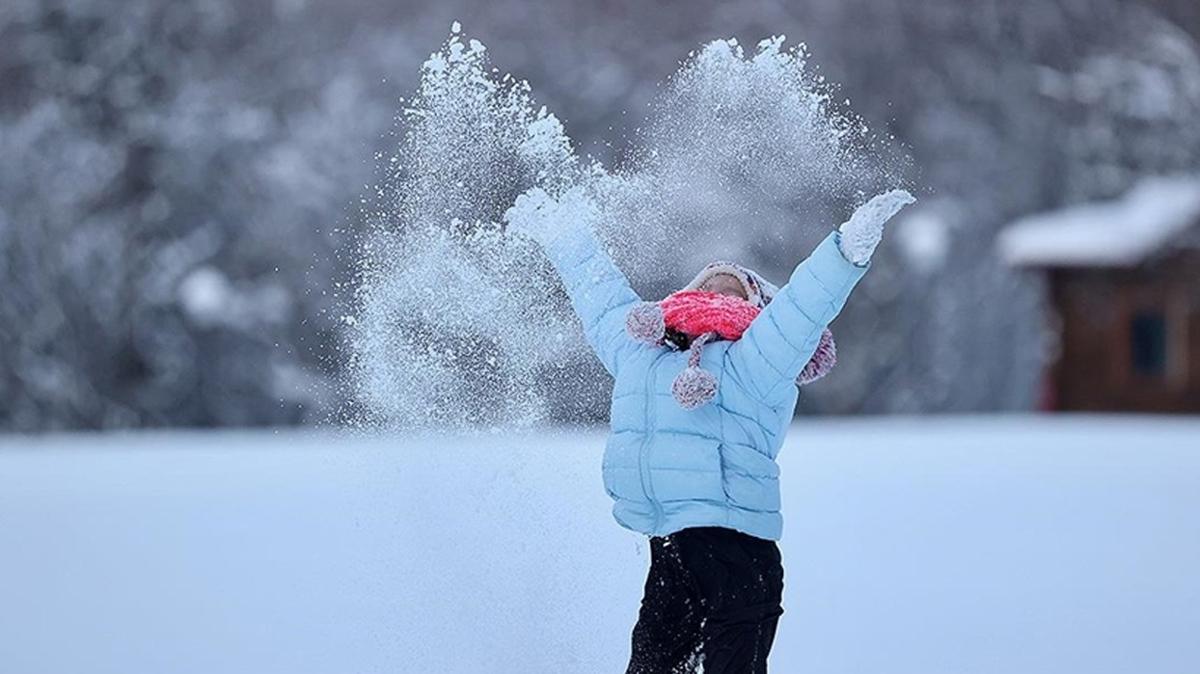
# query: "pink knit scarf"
[[695, 312]]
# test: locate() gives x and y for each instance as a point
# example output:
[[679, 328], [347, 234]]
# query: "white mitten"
[[862, 232], [541, 217]]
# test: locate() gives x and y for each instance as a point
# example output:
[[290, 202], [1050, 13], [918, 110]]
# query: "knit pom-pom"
[[822, 361], [645, 323], [694, 387]]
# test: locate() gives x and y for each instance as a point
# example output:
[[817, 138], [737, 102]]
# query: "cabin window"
[[1148, 343]]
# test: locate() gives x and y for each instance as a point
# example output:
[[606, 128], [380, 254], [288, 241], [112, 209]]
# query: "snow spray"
[[457, 325]]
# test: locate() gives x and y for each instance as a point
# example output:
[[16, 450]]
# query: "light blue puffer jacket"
[[668, 468]]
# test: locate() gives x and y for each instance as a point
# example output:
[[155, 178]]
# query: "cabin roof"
[[1121, 232]]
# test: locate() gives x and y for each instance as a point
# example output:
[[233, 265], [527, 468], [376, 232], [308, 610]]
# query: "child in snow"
[[706, 385]]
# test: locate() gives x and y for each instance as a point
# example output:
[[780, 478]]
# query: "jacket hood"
[[759, 291]]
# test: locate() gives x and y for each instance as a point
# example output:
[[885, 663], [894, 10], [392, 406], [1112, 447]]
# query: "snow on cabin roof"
[[1118, 233]]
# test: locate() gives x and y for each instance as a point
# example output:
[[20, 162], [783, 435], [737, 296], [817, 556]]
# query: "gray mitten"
[[862, 232]]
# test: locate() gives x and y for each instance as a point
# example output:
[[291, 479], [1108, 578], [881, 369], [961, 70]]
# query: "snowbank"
[[995, 546]]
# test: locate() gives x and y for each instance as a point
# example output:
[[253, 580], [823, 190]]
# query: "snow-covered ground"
[[1017, 545]]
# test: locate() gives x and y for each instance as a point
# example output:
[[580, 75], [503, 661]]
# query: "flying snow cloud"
[[457, 324]]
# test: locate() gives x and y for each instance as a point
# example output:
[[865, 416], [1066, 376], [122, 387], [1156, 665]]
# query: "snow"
[[924, 238], [912, 546], [456, 322], [210, 299], [1116, 233], [204, 295]]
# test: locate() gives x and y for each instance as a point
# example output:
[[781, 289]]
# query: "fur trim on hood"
[[759, 291], [690, 318]]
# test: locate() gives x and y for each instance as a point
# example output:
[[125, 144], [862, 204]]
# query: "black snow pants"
[[713, 598]]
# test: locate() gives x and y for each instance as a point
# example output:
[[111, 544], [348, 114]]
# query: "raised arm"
[[781, 340], [599, 292]]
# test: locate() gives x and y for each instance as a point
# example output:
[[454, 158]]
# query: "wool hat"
[[690, 318], [759, 291]]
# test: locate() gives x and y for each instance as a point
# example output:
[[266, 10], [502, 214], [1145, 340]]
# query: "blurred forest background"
[[180, 182]]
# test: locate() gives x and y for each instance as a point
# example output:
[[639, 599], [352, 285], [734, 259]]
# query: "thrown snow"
[[923, 546], [458, 324], [1117, 233]]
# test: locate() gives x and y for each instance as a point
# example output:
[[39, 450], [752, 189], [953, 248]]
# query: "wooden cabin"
[[1124, 298]]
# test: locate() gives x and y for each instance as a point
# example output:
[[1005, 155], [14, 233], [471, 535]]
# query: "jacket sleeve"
[[782, 338], [599, 292]]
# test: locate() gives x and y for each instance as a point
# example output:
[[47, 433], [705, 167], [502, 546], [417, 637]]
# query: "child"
[[705, 390]]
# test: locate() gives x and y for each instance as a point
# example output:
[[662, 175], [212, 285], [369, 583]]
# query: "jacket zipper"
[[643, 453]]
